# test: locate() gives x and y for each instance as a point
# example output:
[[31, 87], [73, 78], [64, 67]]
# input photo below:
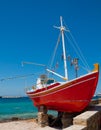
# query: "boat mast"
[[62, 29]]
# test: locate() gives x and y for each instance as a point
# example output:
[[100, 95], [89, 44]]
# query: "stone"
[[67, 119], [94, 102], [76, 127], [99, 100], [43, 109], [89, 119], [42, 119]]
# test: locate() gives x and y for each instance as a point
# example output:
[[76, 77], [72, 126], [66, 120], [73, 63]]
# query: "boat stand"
[[56, 122], [42, 116], [67, 119], [63, 119]]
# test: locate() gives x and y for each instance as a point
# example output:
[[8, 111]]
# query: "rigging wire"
[[75, 50], [54, 53], [15, 77], [84, 68], [80, 52]]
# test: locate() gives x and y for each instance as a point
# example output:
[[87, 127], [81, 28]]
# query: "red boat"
[[69, 96]]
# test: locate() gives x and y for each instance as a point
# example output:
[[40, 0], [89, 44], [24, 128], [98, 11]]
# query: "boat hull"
[[72, 96]]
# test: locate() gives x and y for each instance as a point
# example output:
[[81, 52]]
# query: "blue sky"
[[27, 34]]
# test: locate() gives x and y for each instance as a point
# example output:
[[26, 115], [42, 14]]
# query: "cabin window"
[[50, 81]]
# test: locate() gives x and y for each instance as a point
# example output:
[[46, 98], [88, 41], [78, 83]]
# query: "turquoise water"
[[21, 108], [17, 107]]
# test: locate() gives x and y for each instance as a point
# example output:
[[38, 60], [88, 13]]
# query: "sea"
[[21, 108]]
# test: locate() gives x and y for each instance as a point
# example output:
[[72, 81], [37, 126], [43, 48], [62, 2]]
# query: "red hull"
[[72, 96]]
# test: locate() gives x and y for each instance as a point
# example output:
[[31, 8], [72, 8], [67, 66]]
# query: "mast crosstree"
[[62, 29]]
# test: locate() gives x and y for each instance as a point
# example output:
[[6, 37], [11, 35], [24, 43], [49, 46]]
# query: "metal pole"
[[64, 51]]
